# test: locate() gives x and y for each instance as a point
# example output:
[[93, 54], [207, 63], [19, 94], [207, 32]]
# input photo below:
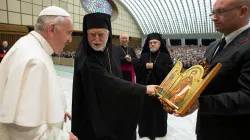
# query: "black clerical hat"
[[155, 36], [90, 21], [97, 20]]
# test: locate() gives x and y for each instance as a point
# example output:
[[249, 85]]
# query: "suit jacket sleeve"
[[231, 103]]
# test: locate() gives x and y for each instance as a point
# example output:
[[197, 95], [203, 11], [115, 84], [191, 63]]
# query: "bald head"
[[245, 2], [226, 15], [5, 43]]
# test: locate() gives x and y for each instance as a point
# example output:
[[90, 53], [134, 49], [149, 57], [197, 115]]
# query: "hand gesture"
[[167, 107], [128, 58], [149, 65], [67, 115], [171, 110], [194, 107]]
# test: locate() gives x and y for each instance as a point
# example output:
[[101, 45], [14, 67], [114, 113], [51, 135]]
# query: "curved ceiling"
[[172, 16]]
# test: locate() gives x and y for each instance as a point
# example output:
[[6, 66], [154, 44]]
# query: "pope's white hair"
[[43, 22]]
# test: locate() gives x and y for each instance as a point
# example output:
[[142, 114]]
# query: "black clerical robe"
[[2, 52], [104, 107], [127, 67], [6, 49], [153, 120]]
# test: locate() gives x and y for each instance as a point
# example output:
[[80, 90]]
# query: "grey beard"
[[99, 49], [152, 49]]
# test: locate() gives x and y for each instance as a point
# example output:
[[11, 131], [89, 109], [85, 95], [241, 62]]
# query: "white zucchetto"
[[54, 11]]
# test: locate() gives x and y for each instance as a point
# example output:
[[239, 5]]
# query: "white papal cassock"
[[32, 104]]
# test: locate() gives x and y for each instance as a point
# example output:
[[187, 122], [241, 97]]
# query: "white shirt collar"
[[234, 34], [44, 43]]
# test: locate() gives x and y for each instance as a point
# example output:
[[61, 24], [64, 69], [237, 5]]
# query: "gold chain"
[[124, 51], [156, 56], [110, 67]]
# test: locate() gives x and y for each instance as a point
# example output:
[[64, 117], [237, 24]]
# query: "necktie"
[[220, 46]]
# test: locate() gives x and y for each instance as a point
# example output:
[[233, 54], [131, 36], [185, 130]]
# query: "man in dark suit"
[[224, 106]]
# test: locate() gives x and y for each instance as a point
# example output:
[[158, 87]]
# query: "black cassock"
[[153, 120], [2, 48], [104, 107], [127, 67]]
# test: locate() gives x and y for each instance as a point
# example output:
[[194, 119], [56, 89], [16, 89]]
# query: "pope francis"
[[32, 104]]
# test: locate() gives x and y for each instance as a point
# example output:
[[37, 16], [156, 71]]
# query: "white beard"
[[153, 49], [96, 48]]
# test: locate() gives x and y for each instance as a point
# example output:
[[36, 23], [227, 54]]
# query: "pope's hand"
[[67, 115]]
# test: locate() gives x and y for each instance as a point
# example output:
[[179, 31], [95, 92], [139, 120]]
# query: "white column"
[[143, 39], [199, 41], [168, 43], [183, 42]]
